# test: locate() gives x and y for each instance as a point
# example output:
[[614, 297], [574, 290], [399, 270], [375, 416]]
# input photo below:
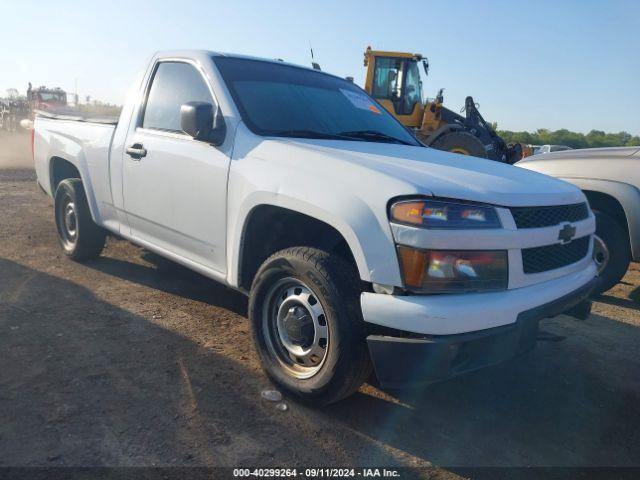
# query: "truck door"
[[175, 187]]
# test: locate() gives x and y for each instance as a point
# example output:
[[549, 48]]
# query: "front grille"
[[538, 217], [550, 257]]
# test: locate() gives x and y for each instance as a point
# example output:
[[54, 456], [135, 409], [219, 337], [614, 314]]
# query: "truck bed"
[[83, 142], [77, 116]]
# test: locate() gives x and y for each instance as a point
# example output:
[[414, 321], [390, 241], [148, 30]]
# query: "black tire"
[[79, 236], [346, 364], [616, 240], [514, 153], [463, 143]]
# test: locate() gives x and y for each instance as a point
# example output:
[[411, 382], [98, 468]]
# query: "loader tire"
[[463, 143], [79, 236], [514, 153]]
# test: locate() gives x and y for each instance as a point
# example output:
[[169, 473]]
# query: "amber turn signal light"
[[408, 212], [414, 266]]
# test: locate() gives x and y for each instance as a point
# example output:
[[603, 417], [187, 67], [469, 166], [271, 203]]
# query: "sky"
[[571, 64]]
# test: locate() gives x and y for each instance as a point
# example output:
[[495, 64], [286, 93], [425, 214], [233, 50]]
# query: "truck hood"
[[584, 154], [610, 164], [430, 172]]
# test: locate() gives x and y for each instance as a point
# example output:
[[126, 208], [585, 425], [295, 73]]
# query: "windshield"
[[283, 100], [46, 97]]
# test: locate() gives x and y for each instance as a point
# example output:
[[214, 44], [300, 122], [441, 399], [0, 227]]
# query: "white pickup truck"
[[357, 245]]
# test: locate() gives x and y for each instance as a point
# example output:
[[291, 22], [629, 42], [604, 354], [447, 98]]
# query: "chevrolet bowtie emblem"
[[566, 233]]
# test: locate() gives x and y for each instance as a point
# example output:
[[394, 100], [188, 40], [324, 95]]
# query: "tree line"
[[593, 139]]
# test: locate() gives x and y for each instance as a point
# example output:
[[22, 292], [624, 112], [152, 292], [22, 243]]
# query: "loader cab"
[[393, 79]]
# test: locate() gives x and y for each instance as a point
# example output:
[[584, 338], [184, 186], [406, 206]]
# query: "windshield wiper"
[[374, 135], [310, 134], [367, 135]]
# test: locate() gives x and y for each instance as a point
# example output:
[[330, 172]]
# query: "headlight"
[[453, 271], [440, 214]]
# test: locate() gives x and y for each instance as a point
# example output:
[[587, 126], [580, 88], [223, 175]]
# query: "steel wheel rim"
[[295, 328], [67, 222], [601, 253]]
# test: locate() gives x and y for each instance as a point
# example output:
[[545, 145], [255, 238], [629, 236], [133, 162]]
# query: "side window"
[[413, 87], [173, 84]]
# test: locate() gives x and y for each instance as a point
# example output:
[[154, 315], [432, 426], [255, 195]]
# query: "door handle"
[[136, 151]]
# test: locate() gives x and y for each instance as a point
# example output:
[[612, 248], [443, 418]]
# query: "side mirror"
[[425, 66], [199, 120]]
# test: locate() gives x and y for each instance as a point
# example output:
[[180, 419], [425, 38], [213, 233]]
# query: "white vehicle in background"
[[549, 148], [610, 178], [357, 245]]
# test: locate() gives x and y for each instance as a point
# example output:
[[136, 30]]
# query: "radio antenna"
[[314, 64]]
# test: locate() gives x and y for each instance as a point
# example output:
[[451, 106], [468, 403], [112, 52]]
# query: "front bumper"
[[401, 362], [450, 314]]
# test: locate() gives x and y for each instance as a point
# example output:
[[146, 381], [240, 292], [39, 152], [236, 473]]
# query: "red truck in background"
[[19, 111]]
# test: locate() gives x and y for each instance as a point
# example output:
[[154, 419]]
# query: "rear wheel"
[[611, 251], [78, 234], [463, 143], [307, 325]]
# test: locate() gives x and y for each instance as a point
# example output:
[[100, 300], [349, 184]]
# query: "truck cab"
[[43, 98]]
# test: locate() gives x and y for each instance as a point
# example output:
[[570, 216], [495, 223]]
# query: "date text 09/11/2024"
[[317, 472]]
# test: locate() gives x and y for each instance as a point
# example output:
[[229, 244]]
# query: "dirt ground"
[[15, 151], [133, 360]]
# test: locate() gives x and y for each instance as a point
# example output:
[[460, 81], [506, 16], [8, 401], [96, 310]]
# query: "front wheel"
[[78, 234], [611, 251], [307, 325]]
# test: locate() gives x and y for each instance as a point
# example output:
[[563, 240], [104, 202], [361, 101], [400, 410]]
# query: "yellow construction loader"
[[393, 79]]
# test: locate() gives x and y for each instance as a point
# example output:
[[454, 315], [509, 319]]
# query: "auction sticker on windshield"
[[360, 101]]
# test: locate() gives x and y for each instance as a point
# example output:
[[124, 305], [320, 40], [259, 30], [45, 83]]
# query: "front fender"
[[370, 241], [629, 198]]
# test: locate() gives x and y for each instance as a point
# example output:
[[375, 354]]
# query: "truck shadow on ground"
[[633, 302], [115, 388], [563, 404], [635, 295], [170, 277]]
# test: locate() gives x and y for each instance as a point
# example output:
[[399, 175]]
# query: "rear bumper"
[[401, 362]]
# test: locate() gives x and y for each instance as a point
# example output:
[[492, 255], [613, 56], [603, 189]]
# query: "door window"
[[387, 78], [398, 79], [412, 87], [174, 83]]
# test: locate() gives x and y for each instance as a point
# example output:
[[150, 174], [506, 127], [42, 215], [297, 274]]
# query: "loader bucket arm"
[[475, 120]]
